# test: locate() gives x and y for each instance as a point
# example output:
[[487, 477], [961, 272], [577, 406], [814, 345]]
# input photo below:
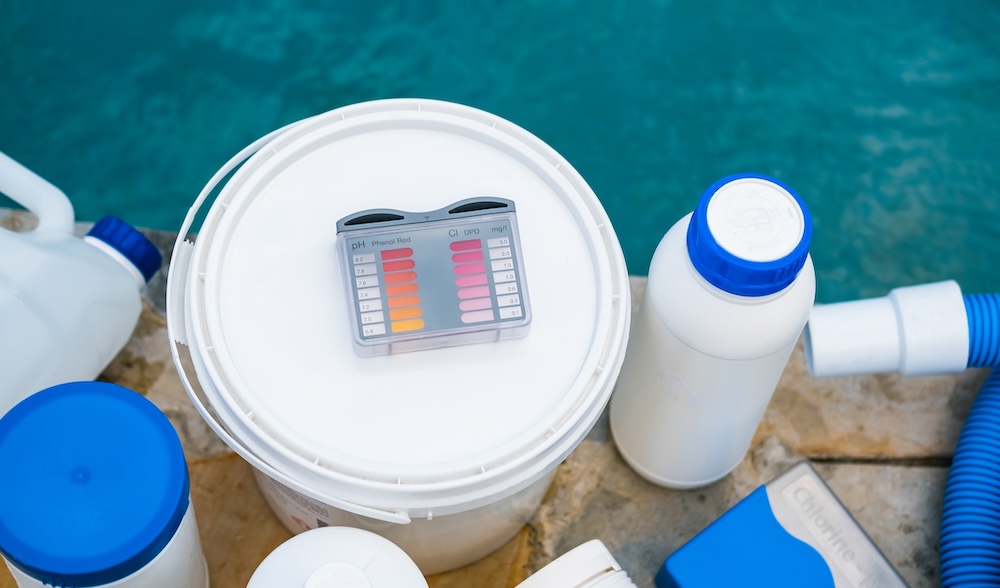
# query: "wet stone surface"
[[882, 443]]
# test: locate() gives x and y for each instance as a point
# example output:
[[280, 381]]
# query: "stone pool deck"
[[882, 443]]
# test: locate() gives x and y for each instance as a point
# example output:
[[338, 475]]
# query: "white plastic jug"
[[67, 305]]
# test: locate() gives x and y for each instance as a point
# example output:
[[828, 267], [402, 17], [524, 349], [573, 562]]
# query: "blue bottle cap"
[[749, 235], [94, 484], [128, 241]]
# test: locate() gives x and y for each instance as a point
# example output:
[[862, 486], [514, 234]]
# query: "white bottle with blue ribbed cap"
[[67, 305], [729, 291]]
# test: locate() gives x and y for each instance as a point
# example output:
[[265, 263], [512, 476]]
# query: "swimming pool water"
[[884, 116]]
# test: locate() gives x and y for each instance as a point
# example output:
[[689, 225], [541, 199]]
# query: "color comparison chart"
[[422, 280]]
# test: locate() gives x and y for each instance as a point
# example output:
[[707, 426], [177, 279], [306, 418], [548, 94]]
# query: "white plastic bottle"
[[589, 565], [67, 305], [730, 288]]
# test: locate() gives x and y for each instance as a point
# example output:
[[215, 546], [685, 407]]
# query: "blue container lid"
[[749, 235], [94, 484], [127, 240]]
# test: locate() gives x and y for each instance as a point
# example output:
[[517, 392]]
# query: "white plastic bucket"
[[446, 452]]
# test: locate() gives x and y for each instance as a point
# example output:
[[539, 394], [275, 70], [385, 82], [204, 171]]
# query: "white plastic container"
[[96, 493], [334, 557], [730, 288], [589, 565], [67, 305], [446, 451]]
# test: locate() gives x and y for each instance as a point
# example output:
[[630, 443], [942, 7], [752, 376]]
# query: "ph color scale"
[[423, 280]]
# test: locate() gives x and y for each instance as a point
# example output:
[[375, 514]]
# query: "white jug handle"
[[48, 203]]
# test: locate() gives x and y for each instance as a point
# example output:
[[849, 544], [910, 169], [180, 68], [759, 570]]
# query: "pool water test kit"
[[434, 279]]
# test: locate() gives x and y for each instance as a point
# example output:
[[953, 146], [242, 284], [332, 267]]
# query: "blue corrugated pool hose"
[[970, 523]]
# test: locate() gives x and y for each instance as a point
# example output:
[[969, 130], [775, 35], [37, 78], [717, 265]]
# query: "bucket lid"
[[266, 313], [94, 484], [332, 557]]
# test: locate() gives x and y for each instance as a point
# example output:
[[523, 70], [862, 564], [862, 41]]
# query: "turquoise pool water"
[[885, 116]]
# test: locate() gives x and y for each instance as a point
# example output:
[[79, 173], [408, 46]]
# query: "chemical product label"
[[809, 511], [300, 512]]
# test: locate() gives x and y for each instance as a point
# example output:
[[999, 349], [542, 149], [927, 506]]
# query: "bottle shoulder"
[[716, 322]]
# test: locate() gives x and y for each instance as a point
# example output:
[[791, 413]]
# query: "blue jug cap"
[[128, 241], [749, 235], [94, 484]]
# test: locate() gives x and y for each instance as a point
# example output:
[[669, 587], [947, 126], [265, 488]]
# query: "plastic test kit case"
[[436, 279]]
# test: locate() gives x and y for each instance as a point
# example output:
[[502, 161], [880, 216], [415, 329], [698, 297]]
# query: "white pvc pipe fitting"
[[916, 330]]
